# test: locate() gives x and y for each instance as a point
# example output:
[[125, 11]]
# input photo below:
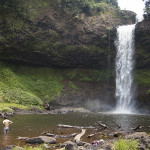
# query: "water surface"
[[34, 125]]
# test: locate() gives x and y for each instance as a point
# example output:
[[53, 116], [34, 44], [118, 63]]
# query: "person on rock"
[[6, 124]]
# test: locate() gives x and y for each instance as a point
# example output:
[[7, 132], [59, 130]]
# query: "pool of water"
[[34, 125]]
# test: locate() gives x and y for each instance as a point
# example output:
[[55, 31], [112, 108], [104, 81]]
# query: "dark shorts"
[[6, 129]]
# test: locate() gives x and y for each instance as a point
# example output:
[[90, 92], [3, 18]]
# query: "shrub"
[[125, 144], [28, 85]]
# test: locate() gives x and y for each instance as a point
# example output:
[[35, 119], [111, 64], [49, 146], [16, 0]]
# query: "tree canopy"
[[85, 6], [147, 7]]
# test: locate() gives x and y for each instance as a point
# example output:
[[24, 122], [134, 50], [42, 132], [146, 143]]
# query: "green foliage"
[[11, 105], [29, 8], [148, 92], [26, 85], [7, 107], [147, 7], [71, 75], [87, 6], [31, 148], [125, 144], [84, 75], [29, 86], [142, 77], [72, 85]]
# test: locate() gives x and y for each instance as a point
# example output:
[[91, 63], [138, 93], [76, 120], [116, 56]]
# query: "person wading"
[[6, 124]]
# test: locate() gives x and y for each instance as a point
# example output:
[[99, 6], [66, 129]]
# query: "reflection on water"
[[5, 138], [34, 125]]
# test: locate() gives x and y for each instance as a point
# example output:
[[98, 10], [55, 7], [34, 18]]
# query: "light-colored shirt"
[[6, 122]]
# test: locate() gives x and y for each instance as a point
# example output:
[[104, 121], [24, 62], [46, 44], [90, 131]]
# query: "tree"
[[147, 7]]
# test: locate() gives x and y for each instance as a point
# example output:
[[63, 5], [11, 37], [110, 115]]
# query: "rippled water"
[[34, 125]]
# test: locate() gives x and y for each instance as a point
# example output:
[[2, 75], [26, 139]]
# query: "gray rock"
[[41, 139], [81, 148], [45, 146], [141, 148], [105, 146], [22, 138], [50, 135], [81, 143], [70, 145], [12, 147]]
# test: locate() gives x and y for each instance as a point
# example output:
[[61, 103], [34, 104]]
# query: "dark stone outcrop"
[[41, 139], [93, 96], [142, 63], [142, 44], [70, 145], [143, 139]]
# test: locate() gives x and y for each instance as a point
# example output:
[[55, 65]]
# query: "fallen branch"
[[78, 127], [137, 128], [102, 125], [91, 135], [78, 136]]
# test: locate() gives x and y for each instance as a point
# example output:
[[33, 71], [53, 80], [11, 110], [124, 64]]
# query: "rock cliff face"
[[43, 33], [47, 34], [142, 55], [142, 39]]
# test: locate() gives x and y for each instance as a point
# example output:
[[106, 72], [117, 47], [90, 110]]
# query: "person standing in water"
[[6, 124]]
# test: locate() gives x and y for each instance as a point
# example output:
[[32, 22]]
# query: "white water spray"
[[124, 68]]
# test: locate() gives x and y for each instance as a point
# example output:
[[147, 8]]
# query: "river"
[[34, 125]]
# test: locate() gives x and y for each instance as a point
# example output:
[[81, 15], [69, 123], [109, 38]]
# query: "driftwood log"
[[78, 127], [102, 125], [91, 135], [77, 138], [137, 128]]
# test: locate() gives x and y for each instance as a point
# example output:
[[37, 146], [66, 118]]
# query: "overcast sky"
[[134, 5]]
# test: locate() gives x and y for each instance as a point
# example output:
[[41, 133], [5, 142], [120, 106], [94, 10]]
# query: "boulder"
[[22, 138], [41, 139], [70, 145]]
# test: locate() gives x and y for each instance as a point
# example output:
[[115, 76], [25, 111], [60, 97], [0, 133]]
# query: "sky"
[[134, 5]]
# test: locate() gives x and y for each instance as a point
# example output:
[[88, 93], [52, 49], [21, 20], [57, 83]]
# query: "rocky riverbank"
[[49, 142]]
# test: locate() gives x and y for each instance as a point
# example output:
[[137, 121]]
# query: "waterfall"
[[125, 61], [124, 68]]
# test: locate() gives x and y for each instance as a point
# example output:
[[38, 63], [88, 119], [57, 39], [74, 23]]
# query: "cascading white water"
[[125, 61], [124, 68]]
